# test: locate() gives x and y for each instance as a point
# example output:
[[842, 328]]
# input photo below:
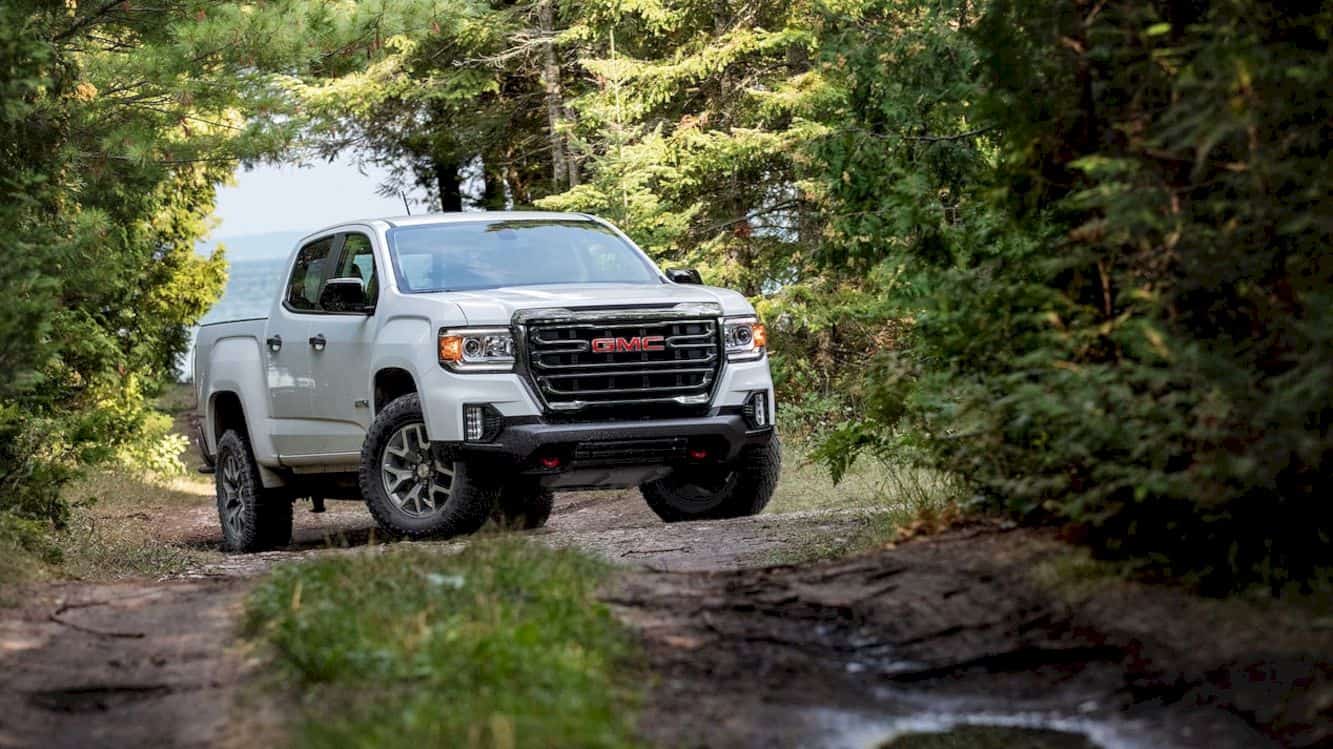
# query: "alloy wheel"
[[415, 480], [232, 472]]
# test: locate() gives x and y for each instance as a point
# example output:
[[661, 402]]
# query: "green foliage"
[[25, 549], [118, 122], [157, 450], [904, 159], [691, 133], [1076, 253], [503, 643], [1073, 252], [1133, 336], [898, 171], [1179, 387], [101, 281]]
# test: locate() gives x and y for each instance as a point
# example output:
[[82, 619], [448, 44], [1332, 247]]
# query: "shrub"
[[100, 282], [1139, 341]]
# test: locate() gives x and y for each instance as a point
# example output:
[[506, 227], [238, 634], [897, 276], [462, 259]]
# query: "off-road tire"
[[523, 505], [470, 498], [261, 518], [741, 489]]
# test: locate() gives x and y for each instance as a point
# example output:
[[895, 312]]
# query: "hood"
[[497, 306]]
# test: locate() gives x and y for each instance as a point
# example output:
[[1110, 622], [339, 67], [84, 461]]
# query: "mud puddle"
[[949, 637], [992, 730], [990, 737]]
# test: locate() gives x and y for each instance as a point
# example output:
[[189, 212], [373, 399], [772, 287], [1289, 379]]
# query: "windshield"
[[491, 254]]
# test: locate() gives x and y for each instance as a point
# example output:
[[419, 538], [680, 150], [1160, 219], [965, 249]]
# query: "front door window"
[[307, 278]]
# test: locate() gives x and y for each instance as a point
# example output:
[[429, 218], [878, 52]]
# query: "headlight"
[[746, 338], [477, 349]]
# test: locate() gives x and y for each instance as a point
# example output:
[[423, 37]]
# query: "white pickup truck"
[[453, 368]]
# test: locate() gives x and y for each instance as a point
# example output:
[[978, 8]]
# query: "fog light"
[[550, 461], [474, 423], [756, 409], [698, 453]]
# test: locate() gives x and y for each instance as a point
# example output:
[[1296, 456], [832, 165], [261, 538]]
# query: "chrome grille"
[[571, 373]]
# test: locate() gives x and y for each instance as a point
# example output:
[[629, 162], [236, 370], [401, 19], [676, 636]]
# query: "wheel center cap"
[[423, 470]]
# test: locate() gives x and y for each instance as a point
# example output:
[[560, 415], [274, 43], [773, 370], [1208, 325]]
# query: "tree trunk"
[[450, 185], [571, 163], [554, 104], [493, 195]]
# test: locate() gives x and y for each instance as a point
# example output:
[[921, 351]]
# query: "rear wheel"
[[409, 489], [253, 518], [523, 505], [711, 493]]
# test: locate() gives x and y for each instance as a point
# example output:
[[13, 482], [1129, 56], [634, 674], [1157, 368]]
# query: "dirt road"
[[157, 663], [934, 633]]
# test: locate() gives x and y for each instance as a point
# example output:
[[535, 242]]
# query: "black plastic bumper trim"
[[521, 439]]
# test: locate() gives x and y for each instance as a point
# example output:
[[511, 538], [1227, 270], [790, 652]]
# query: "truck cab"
[[453, 368]]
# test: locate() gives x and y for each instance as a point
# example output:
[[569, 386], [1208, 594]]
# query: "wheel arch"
[[226, 411], [390, 383]]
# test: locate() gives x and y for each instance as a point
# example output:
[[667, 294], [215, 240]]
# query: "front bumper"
[[443, 394], [534, 445]]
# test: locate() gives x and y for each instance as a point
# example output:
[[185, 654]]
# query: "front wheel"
[[409, 490], [712, 493], [523, 505]]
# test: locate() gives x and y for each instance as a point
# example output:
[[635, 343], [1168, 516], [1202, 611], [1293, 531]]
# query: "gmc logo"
[[637, 343]]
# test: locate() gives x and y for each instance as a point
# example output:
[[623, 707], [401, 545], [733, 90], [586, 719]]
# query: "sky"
[[291, 198]]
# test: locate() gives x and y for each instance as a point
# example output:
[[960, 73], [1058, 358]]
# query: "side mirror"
[[684, 275], [344, 295]]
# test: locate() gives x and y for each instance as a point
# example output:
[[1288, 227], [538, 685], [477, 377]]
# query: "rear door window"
[[307, 277]]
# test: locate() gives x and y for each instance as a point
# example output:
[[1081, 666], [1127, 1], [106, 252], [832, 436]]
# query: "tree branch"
[[88, 20], [956, 136], [749, 216]]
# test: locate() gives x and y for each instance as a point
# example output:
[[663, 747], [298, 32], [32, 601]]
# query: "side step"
[[208, 469]]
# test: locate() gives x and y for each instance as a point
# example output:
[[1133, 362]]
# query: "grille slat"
[[571, 372], [541, 363], [636, 372], [640, 391]]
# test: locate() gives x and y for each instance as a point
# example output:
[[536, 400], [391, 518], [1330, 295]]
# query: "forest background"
[[1074, 253]]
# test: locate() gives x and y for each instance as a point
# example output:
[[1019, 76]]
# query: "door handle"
[[274, 343], [318, 341]]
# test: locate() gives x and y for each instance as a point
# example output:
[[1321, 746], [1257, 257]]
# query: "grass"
[[115, 528], [501, 645], [114, 532], [887, 499], [26, 554], [1075, 576]]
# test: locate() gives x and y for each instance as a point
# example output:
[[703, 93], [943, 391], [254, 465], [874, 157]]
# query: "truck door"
[[341, 368], [287, 351]]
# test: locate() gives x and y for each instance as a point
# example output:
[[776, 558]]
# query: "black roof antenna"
[[406, 207]]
